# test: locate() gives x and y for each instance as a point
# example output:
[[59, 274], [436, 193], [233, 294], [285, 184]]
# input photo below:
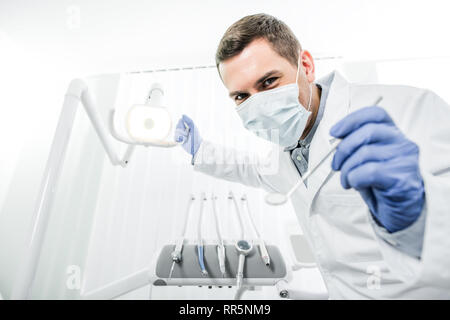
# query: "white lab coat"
[[356, 263]]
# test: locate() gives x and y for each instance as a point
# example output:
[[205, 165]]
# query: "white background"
[[43, 45]]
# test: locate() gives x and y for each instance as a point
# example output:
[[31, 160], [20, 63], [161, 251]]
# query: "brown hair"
[[257, 26]]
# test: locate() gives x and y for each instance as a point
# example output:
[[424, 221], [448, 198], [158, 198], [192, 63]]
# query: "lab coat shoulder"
[[274, 172], [423, 117], [420, 114], [396, 99]]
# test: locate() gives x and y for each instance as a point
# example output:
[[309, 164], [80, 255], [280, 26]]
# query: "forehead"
[[243, 70]]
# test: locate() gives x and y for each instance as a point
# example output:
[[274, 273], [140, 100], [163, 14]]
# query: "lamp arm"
[[77, 91], [120, 287], [80, 91]]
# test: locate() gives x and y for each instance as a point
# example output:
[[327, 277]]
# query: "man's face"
[[257, 68]]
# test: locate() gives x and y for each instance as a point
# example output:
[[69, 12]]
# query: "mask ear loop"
[[310, 96]]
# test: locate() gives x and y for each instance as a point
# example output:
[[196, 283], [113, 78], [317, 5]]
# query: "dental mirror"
[[276, 199]]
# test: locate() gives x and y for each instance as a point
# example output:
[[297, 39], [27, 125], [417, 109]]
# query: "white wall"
[[43, 46]]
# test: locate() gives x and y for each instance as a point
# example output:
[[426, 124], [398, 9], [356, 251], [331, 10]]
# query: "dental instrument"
[[243, 247], [262, 246], [276, 198], [190, 140], [177, 252], [220, 247], [200, 247], [238, 213]]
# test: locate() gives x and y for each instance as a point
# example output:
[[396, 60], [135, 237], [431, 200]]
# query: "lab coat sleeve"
[[433, 267], [229, 164]]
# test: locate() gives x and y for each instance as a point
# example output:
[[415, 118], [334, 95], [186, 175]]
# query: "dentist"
[[377, 214]]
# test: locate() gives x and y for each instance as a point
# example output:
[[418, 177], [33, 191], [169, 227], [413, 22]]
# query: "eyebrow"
[[259, 81]]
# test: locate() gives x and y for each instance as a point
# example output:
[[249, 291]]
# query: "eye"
[[240, 97], [268, 82]]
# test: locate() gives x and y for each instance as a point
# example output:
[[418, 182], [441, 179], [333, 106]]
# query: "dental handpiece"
[[220, 247], [238, 213], [262, 246], [201, 261], [176, 255], [200, 247]]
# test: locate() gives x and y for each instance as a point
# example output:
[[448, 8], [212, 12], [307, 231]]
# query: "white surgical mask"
[[276, 113]]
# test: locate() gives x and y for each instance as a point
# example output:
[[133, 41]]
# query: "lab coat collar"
[[336, 107]]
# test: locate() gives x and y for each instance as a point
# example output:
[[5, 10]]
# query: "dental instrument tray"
[[188, 273]]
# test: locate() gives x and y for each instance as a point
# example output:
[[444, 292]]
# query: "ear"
[[308, 65]]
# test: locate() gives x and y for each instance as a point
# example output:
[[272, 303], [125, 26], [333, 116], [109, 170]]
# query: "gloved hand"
[[190, 136], [376, 159]]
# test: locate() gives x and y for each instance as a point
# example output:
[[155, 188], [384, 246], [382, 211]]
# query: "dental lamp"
[[147, 124]]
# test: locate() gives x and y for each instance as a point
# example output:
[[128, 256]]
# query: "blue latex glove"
[[190, 136], [376, 159]]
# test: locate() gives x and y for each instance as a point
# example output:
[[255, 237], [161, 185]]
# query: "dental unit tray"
[[188, 273]]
